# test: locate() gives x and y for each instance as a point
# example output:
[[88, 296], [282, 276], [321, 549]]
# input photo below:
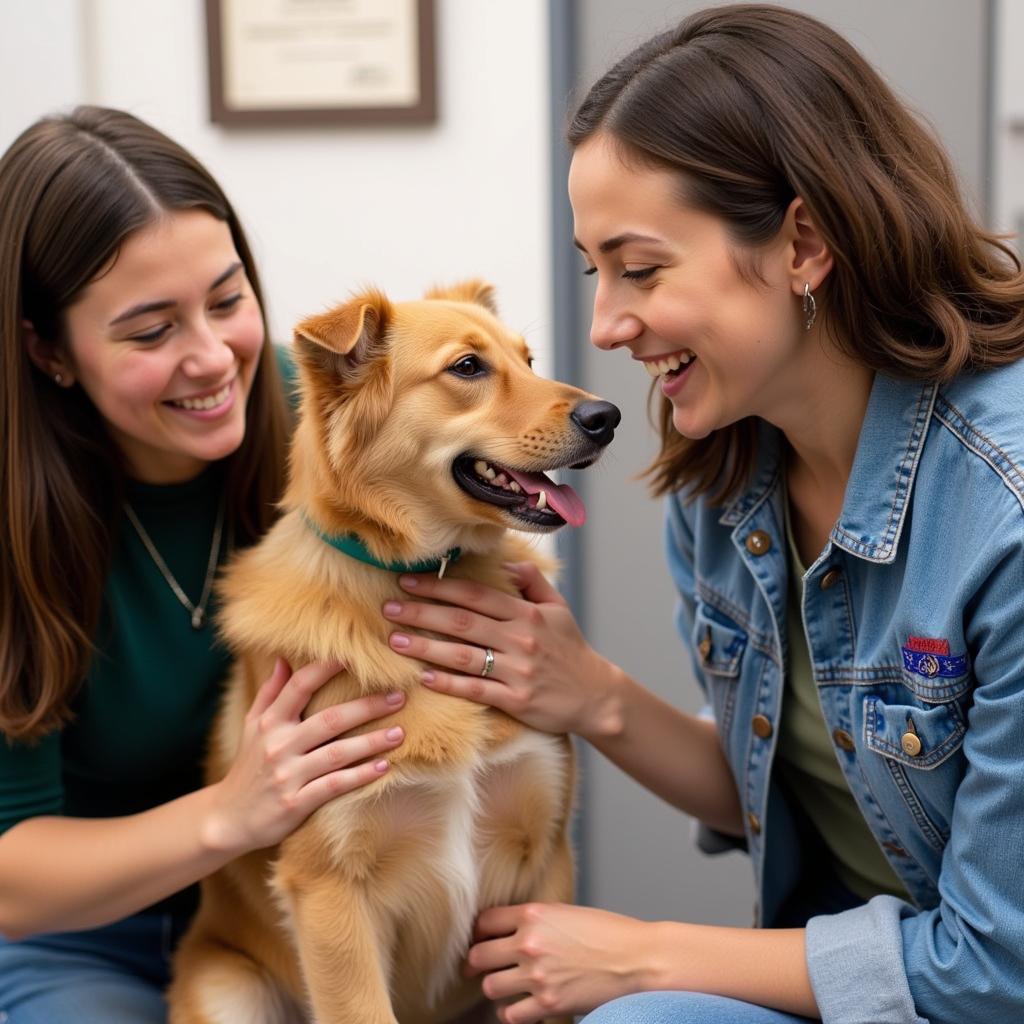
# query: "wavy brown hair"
[[72, 188], [753, 105]]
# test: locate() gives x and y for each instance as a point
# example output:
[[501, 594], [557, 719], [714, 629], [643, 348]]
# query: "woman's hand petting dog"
[[544, 673], [287, 767], [559, 959]]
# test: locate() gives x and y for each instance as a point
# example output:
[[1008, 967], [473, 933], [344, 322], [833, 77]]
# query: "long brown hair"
[[754, 105], [72, 188]]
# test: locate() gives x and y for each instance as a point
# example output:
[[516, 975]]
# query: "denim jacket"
[[914, 618]]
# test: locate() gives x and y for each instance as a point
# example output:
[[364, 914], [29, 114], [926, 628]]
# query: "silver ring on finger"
[[488, 662]]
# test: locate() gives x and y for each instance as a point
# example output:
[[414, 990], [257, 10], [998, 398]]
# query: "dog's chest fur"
[[474, 803]]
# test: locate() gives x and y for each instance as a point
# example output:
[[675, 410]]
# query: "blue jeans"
[[111, 975], [685, 1008]]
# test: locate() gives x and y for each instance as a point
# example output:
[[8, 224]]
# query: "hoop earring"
[[810, 307], [58, 378]]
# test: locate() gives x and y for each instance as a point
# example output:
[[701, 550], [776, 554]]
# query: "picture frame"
[[319, 62]]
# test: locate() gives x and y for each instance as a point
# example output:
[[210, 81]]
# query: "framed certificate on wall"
[[276, 62]]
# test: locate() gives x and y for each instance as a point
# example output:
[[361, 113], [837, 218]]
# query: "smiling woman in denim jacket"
[[837, 349]]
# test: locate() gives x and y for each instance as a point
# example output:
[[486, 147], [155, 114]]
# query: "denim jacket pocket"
[[719, 645], [923, 756]]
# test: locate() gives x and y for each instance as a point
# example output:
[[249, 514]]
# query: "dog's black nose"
[[597, 420]]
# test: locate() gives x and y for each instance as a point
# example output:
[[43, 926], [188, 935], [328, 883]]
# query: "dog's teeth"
[[489, 473], [481, 467], [542, 500], [515, 487], [501, 480]]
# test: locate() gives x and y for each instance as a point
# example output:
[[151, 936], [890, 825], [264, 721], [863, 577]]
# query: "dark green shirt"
[[142, 715]]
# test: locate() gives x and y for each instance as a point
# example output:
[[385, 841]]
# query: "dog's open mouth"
[[533, 497]]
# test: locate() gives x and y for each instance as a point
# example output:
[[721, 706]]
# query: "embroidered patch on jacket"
[[930, 658]]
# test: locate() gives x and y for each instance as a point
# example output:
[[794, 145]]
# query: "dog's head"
[[423, 426]]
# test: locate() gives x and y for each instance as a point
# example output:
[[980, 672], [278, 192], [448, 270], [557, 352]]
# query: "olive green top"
[[808, 764]]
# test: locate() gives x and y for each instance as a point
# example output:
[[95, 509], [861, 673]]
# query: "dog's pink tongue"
[[561, 497]]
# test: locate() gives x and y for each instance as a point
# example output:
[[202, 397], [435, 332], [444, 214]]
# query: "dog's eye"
[[468, 366]]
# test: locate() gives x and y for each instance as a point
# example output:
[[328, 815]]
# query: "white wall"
[[330, 209]]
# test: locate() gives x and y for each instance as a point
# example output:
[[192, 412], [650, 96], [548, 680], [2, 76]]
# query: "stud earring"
[[810, 307], [58, 378]]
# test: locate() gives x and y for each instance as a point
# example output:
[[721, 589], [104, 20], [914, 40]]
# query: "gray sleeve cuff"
[[855, 960]]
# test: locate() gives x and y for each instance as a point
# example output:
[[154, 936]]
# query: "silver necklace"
[[197, 611]]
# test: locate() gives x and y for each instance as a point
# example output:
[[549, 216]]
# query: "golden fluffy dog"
[[422, 429]]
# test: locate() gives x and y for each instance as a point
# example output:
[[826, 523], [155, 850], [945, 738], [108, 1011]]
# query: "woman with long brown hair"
[[143, 424], [837, 355]]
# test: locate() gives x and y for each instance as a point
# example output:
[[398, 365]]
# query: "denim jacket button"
[[762, 726], [754, 822], [705, 647], [843, 740], [911, 744], [758, 543], [830, 579]]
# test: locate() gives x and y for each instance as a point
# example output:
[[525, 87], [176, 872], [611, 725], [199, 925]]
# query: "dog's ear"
[[347, 363], [346, 337], [473, 290]]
